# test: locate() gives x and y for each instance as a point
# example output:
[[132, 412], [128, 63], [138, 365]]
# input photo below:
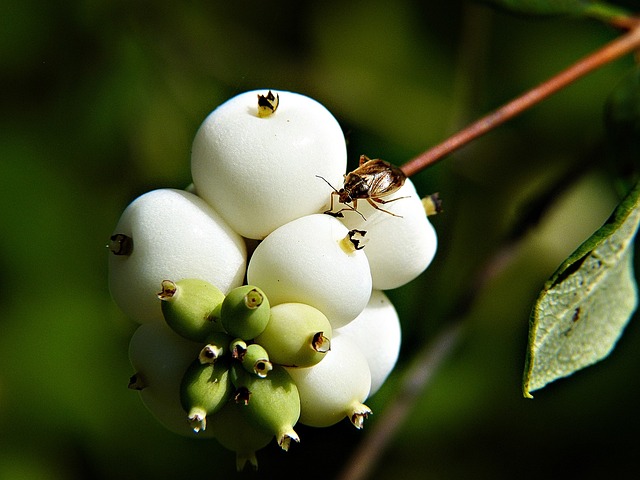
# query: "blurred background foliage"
[[100, 101]]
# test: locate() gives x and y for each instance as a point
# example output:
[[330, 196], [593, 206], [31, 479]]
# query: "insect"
[[371, 181]]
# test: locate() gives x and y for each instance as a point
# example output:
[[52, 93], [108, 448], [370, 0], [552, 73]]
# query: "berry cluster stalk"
[[617, 48], [431, 357]]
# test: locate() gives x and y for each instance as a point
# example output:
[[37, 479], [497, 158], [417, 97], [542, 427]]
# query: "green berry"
[[204, 390], [245, 312], [297, 335], [272, 403], [191, 307], [233, 431], [256, 360]]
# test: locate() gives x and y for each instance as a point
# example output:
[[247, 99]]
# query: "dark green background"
[[100, 100]]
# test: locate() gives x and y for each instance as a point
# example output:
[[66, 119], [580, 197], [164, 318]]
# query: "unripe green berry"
[[204, 390], [245, 312], [235, 432], [272, 403], [297, 335], [256, 360], [191, 307]]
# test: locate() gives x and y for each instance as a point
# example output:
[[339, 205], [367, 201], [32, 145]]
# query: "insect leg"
[[348, 207], [379, 200], [383, 201], [354, 207], [330, 211]]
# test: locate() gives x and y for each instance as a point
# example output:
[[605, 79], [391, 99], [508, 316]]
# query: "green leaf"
[[585, 305], [587, 8]]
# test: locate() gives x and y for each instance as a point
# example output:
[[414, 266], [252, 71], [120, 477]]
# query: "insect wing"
[[384, 178]]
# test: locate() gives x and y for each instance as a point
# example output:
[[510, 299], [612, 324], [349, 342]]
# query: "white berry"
[[175, 235], [260, 172], [305, 261], [160, 358], [377, 333], [399, 248], [334, 388]]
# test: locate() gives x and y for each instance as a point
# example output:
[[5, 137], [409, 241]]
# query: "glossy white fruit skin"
[[176, 235], [260, 172], [398, 249], [332, 388], [161, 357], [303, 262], [376, 332]]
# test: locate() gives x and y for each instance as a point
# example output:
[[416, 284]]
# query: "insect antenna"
[[332, 187], [346, 206]]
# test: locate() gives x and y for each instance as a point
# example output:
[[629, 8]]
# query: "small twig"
[[613, 50]]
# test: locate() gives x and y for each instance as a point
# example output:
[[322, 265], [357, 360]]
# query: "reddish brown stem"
[[428, 361], [613, 50], [624, 23]]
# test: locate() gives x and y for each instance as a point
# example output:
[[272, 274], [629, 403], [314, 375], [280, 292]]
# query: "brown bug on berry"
[[371, 181]]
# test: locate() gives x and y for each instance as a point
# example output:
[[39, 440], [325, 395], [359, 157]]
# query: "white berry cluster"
[[257, 309]]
